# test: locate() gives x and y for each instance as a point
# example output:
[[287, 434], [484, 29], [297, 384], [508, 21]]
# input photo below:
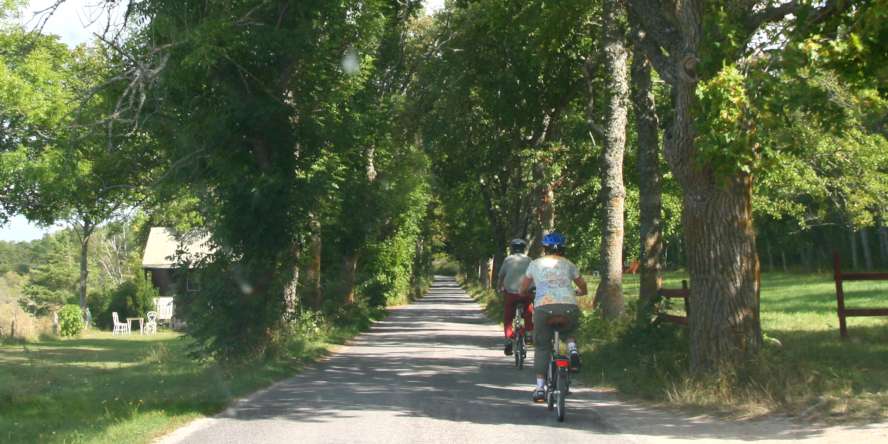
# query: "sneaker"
[[508, 349], [539, 395], [575, 363]]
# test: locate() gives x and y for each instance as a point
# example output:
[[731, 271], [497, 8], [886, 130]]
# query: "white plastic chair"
[[151, 325], [119, 327]]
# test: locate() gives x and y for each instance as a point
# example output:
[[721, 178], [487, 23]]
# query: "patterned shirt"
[[553, 277]]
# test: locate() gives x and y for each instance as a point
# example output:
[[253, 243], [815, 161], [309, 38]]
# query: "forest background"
[[334, 149]]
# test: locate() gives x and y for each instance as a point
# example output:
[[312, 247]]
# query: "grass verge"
[[102, 388], [804, 372]]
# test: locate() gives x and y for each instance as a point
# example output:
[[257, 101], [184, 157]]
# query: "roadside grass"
[[805, 372], [104, 388]]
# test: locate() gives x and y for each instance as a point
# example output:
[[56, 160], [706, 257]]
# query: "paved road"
[[434, 372]]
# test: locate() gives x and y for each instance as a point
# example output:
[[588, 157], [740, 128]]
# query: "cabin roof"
[[164, 242]]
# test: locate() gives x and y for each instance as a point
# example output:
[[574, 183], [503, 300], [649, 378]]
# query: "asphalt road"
[[431, 372], [434, 372]]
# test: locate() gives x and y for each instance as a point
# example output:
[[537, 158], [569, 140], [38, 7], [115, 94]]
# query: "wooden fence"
[[840, 277]]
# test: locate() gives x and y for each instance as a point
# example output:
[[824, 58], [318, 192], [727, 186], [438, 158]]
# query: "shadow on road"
[[440, 359]]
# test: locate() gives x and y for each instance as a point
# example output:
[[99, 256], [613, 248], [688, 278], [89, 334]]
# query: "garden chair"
[[151, 325], [119, 327]]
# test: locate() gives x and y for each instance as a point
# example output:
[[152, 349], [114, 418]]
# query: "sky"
[[74, 21]]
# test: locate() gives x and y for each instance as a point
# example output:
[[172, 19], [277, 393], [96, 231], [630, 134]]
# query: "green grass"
[[102, 388], [808, 373]]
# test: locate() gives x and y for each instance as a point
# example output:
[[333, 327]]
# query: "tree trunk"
[[785, 266], [854, 263], [650, 198], [883, 243], [347, 277], [291, 291], [770, 257], [806, 258], [609, 296], [724, 269], [545, 209], [867, 254], [313, 283], [87, 229]]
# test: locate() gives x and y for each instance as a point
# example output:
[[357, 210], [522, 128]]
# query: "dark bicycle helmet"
[[553, 239], [518, 243]]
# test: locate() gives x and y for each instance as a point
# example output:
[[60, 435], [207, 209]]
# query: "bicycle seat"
[[558, 322]]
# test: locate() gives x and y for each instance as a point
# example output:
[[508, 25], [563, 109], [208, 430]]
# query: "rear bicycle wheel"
[[519, 351], [561, 393], [550, 390]]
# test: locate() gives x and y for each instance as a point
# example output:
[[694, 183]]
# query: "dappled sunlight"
[[438, 364]]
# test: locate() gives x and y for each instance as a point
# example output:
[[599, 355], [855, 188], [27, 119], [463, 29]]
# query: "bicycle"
[[558, 377], [519, 336]]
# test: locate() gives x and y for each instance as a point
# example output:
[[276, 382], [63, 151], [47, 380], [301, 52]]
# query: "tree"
[[650, 194], [253, 107], [713, 147], [493, 101], [54, 284], [609, 295]]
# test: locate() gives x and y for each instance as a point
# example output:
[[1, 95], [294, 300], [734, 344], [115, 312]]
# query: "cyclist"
[[510, 275], [553, 276]]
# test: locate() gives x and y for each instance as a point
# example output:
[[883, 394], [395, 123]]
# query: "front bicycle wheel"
[[560, 394]]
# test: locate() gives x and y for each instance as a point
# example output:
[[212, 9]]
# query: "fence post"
[[840, 294]]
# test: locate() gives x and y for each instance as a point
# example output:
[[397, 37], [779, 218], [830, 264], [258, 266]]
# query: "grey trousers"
[[543, 333]]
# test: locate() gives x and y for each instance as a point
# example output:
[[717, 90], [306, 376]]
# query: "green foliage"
[[70, 320], [99, 305], [133, 298], [727, 140], [53, 284], [233, 314]]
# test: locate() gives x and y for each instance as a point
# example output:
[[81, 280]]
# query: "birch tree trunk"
[[609, 296], [291, 291], [650, 198]]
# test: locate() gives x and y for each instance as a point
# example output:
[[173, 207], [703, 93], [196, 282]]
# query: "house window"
[[192, 283]]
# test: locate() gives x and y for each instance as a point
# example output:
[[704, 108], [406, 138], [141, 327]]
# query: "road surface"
[[434, 372]]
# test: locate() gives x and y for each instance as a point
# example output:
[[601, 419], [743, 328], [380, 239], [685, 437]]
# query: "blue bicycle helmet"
[[553, 239]]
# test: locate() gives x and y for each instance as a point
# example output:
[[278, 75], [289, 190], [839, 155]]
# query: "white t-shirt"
[[512, 271]]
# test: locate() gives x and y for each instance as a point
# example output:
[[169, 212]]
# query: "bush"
[[99, 305], [133, 298], [70, 320]]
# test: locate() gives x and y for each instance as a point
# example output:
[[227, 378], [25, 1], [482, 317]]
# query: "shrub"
[[132, 298], [70, 320], [99, 305]]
